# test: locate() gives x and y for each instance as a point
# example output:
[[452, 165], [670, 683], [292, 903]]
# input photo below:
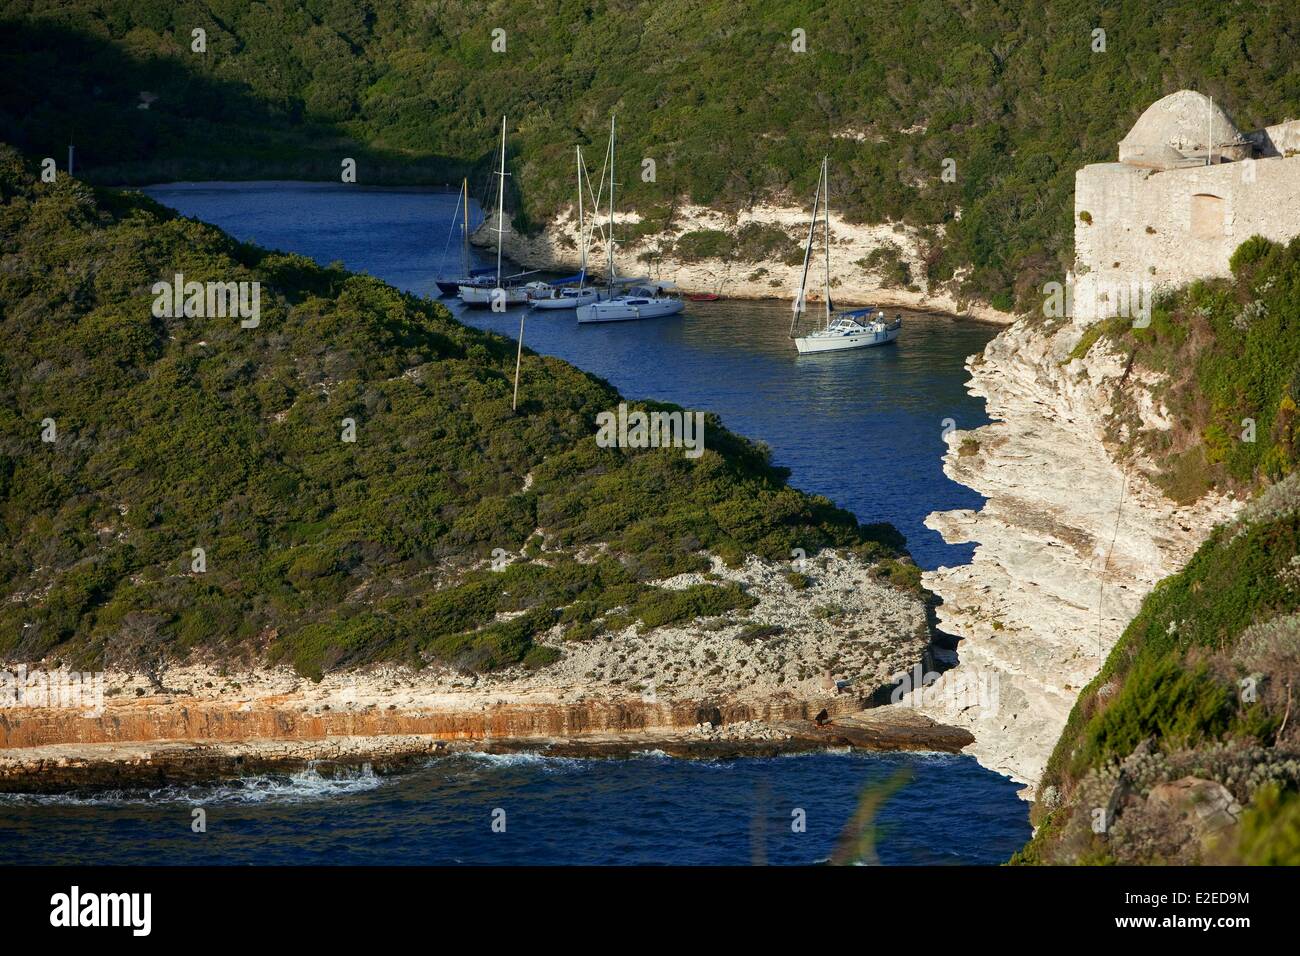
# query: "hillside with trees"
[[1186, 746], [1017, 94], [129, 443]]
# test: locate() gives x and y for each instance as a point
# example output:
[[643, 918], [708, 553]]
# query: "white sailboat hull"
[[853, 340], [569, 301], [481, 296], [618, 310]]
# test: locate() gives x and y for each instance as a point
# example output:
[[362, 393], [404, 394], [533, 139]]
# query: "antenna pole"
[[582, 245]]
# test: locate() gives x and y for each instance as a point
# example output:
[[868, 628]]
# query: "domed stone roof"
[[1175, 127]]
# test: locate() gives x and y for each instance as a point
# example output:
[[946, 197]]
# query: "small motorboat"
[[703, 297]]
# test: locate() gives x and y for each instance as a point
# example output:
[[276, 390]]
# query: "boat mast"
[[826, 174], [446, 246], [807, 254], [610, 244], [464, 247], [501, 198], [582, 239]]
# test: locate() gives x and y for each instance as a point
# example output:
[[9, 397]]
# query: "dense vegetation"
[[1012, 92], [1202, 684], [1205, 681], [173, 434], [1229, 354]]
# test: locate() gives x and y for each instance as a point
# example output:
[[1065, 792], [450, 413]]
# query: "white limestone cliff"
[[555, 247], [1069, 542]]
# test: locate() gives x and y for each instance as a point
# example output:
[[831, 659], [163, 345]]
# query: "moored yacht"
[[855, 329], [561, 294], [484, 292], [574, 291], [479, 294], [644, 298], [851, 330], [651, 299], [460, 219]]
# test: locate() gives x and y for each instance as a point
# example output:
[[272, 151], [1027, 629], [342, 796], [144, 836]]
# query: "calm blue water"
[[643, 810], [862, 428]]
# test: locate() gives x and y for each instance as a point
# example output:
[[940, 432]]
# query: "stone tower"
[[1188, 189]]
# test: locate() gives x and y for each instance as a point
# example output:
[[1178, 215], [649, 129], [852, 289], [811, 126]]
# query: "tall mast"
[[807, 254], [464, 245], [610, 244], [501, 198], [826, 174], [582, 244]]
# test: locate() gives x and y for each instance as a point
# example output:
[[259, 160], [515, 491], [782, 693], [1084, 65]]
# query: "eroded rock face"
[[745, 681], [1205, 805], [1068, 544], [556, 247]]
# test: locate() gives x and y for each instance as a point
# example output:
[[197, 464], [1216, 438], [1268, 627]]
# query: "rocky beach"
[[748, 682]]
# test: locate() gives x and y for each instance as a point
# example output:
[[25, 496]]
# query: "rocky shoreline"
[[89, 768], [748, 681], [555, 248], [1070, 541]]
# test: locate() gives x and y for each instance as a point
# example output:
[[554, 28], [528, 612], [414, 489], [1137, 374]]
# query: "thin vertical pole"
[[826, 173], [464, 245], [519, 357], [582, 244], [611, 207], [501, 198], [807, 254]]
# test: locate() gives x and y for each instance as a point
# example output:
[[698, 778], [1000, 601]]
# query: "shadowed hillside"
[[171, 434], [1018, 95]]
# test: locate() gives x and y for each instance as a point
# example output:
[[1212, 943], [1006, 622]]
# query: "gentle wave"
[[305, 785]]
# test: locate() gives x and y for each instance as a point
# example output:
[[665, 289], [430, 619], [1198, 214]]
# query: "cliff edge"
[[1069, 542]]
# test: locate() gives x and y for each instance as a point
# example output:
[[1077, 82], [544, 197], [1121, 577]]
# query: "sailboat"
[[856, 329], [645, 300], [482, 293], [564, 293], [450, 286]]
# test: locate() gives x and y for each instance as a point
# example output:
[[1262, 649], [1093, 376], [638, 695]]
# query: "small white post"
[[519, 357]]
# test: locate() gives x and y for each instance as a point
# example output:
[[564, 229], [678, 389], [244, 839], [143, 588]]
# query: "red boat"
[[703, 296]]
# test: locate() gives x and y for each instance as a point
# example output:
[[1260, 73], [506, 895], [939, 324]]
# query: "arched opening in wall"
[[1207, 216]]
